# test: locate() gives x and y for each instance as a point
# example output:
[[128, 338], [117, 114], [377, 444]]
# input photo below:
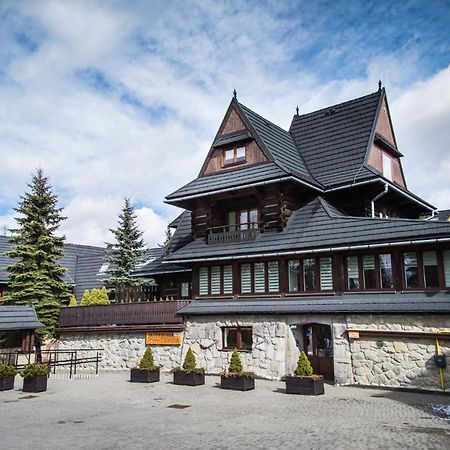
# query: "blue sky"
[[117, 99]]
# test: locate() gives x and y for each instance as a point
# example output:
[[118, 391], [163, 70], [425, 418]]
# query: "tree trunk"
[[38, 351]]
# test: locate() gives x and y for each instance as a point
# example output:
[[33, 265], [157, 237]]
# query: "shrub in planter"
[[7, 375], [304, 381], [235, 378], [147, 372], [189, 374], [35, 377]]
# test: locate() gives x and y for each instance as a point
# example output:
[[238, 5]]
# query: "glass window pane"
[[260, 278], [352, 272], [294, 268], [240, 154], [230, 337], [203, 281], [253, 218], [446, 255], [243, 220], [387, 167], [309, 274], [274, 282], [410, 265], [246, 279], [215, 280], [326, 274], [184, 289], [246, 338], [228, 279], [430, 269], [232, 220], [369, 271], [386, 271], [229, 156]]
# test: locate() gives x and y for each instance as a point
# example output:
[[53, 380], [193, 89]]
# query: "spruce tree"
[[235, 362], [304, 367], [36, 277], [128, 251], [189, 361], [167, 237]]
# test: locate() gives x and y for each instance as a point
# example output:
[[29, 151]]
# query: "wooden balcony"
[[123, 314], [233, 233]]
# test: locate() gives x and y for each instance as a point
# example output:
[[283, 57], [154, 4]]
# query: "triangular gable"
[[234, 125]]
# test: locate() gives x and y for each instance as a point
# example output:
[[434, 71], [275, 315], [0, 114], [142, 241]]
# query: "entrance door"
[[318, 346]]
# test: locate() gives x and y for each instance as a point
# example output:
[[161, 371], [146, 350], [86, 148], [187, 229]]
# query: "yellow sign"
[[162, 338], [353, 334]]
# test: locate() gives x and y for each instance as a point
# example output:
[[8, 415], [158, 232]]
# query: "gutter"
[[372, 202], [312, 251]]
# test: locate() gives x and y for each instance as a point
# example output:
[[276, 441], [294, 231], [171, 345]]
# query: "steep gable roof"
[[334, 141]]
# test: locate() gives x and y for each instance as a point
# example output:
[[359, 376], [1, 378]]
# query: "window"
[[215, 280], [260, 277], [234, 155], [410, 266], [369, 272], [387, 167], [310, 274], [185, 289], [446, 258], [240, 338], [248, 218], [430, 269]]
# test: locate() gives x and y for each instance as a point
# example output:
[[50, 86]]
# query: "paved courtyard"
[[108, 412]]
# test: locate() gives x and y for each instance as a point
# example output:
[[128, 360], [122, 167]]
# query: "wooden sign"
[[162, 338], [353, 334]]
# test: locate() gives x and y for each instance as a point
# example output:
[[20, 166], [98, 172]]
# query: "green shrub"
[[86, 299], [7, 371], [147, 360], [73, 301], [189, 361], [235, 362], [35, 370], [304, 367]]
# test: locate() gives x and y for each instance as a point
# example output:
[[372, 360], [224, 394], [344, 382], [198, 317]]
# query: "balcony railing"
[[143, 313], [233, 233]]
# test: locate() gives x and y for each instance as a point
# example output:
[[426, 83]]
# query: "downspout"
[[386, 188], [433, 213]]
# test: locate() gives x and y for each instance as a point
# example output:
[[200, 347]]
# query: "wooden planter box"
[[237, 383], [144, 375], [35, 384], [7, 383], [304, 386], [188, 378]]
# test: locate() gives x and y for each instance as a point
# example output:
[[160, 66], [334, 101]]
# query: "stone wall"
[[121, 350], [398, 361]]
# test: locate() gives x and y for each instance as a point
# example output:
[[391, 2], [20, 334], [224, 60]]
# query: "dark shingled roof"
[[18, 318], [83, 263], [319, 225], [347, 303], [334, 141]]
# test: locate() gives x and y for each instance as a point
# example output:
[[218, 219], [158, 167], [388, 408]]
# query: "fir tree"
[[128, 251], [36, 277], [73, 301], [304, 367], [235, 362], [147, 360], [167, 237], [189, 361], [86, 299]]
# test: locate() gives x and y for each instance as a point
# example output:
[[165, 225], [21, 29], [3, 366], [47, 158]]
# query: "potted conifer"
[[35, 377], [235, 378], [304, 381], [189, 374], [7, 375], [147, 372]]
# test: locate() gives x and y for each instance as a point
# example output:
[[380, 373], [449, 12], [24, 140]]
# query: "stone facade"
[[398, 361], [121, 350]]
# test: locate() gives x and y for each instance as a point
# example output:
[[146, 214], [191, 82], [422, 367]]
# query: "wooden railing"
[[143, 313], [133, 294], [233, 233]]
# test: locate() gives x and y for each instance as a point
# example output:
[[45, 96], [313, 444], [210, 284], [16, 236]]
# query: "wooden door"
[[318, 346]]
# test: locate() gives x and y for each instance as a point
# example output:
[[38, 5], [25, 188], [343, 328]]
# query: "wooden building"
[[309, 239]]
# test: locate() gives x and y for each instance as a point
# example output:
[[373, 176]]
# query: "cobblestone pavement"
[[108, 412]]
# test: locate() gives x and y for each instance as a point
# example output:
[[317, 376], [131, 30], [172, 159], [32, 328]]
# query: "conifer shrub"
[[235, 362], [147, 360], [189, 361], [35, 370], [73, 301], [304, 367], [7, 371], [86, 299]]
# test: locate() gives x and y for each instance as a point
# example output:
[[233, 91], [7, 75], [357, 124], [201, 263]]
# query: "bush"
[[147, 360], [235, 362], [189, 361], [304, 367], [35, 370], [73, 301], [86, 299], [7, 371]]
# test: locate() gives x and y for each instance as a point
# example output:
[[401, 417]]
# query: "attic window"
[[234, 155], [387, 167]]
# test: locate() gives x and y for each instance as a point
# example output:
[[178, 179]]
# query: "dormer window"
[[234, 155], [387, 167]]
